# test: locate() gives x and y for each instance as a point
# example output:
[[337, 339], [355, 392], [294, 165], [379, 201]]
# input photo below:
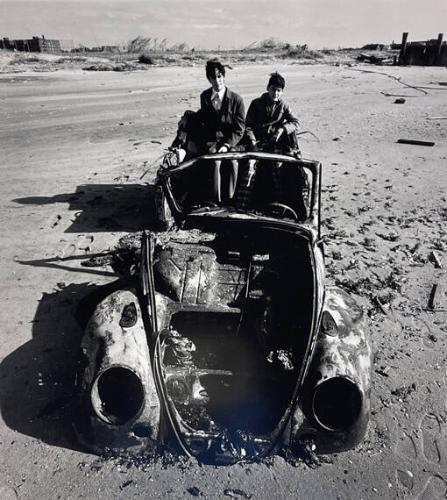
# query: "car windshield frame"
[[313, 218]]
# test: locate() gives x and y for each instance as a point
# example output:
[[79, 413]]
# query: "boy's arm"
[[251, 123], [291, 122]]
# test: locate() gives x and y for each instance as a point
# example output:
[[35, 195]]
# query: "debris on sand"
[[109, 66], [381, 306], [400, 100], [415, 142], [194, 491], [434, 257], [98, 260], [281, 358], [126, 484], [383, 371], [392, 236], [374, 59], [432, 299], [236, 493], [402, 393]]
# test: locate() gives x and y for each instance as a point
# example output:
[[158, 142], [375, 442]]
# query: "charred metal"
[[228, 346]]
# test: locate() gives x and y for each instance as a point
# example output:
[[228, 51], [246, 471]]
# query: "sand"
[[73, 146]]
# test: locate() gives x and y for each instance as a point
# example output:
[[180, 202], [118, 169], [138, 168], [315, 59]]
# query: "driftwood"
[[415, 142], [436, 259], [432, 298], [381, 306]]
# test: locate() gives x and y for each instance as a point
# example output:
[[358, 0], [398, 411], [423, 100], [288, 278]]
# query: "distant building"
[[35, 44]]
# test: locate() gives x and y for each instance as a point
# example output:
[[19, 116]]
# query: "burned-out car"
[[227, 344]]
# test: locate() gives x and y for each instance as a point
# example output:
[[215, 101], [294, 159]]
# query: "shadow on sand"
[[104, 207], [37, 389]]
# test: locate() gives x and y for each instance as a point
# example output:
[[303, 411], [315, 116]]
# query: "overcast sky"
[[228, 23]]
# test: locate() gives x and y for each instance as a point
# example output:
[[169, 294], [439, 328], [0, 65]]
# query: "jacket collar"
[[267, 101]]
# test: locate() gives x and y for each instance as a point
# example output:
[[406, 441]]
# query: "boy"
[[217, 127], [271, 124], [271, 127]]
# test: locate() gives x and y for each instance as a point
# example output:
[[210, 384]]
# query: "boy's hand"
[[223, 149], [254, 146], [181, 154], [278, 134], [212, 148]]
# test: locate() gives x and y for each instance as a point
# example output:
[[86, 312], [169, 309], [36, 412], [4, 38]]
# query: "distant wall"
[[425, 53]]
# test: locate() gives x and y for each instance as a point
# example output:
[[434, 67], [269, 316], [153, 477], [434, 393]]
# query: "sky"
[[210, 24]]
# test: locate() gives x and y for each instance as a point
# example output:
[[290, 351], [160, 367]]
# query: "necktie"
[[217, 103]]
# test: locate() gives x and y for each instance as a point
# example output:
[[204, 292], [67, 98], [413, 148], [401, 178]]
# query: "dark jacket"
[[226, 126], [264, 117]]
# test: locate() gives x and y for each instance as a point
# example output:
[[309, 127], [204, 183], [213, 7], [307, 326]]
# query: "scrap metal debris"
[[194, 491], [179, 348], [375, 59], [308, 455], [282, 358]]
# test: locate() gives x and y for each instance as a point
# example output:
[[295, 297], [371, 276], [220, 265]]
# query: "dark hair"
[[276, 80], [213, 66]]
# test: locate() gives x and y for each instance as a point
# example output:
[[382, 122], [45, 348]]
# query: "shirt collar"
[[221, 94]]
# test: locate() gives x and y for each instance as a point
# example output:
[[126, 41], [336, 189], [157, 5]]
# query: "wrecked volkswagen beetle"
[[226, 344]]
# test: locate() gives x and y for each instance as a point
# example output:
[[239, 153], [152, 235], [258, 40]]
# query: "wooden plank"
[[415, 142], [432, 298], [403, 48], [439, 48]]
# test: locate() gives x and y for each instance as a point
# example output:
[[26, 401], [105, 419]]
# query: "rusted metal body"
[[230, 342], [335, 407], [120, 404]]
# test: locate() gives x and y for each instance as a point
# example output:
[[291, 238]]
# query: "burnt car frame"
[[227, 344]]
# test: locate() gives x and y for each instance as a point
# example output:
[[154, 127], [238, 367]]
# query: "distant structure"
[[426, 53], [35, 44]]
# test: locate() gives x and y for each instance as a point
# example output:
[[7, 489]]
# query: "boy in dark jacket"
[[270, 122], [217, 127], [271, 127]]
